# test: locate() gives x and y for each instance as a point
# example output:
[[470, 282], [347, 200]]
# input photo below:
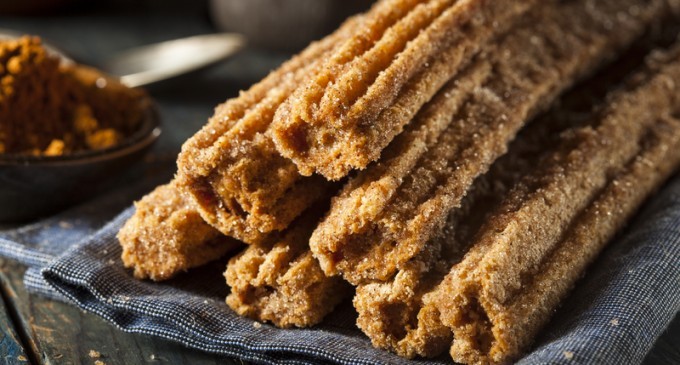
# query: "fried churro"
[[279, 281], [388, 311], [391, 313], [530, 252], [387, 214], [166, 236], [240, 183], [373, 85]]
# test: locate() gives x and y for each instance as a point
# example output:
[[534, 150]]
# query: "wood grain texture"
[[59, 333], [11, 349]]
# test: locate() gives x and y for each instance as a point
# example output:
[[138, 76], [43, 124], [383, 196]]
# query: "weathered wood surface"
[[58, 333], [11, 348]]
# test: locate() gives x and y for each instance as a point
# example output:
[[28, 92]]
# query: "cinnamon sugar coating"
[[391, 313], [401, 314], [466, 231], [372, 85], [388, 213], [279, 281], [167, 236], [552, 224], [240, 183], [49, 107]]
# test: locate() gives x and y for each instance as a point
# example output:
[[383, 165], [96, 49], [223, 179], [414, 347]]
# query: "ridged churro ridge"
[[386, 214], [531, 225], [280, 281], [240, 183], [336, 123]]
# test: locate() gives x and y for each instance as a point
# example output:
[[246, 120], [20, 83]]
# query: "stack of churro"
[[425, 154]]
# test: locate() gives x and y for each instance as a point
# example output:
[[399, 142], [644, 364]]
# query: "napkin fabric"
[[626, 300]]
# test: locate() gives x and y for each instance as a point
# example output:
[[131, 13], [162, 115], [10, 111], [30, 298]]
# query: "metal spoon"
[[161, 61], [148, 64]]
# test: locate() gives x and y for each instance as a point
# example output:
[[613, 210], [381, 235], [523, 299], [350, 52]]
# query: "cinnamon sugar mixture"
[[51, 108]]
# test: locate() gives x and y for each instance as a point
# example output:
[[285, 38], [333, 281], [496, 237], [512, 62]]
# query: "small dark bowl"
[[34, 186]]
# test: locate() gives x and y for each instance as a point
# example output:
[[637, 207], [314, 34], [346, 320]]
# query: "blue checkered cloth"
[[614, 316]]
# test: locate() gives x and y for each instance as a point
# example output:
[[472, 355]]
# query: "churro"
[[388, 213], [279, 281], [391, 313], [166, 236], [240, 183], [528, 255], [372, 86], [388, 310]]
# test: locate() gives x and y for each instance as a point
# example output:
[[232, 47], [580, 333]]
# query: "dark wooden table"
[[37, 330]]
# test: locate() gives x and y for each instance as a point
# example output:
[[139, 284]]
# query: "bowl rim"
[[146, 134]]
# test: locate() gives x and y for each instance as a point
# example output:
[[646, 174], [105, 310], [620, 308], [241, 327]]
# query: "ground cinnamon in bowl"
[[49, 107]]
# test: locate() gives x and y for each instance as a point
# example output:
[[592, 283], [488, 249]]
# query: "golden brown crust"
[[391, 313], [280, 281], [241, 185], [588, 235], [337, 122], [166, 236], [386, 214], [583, 192]]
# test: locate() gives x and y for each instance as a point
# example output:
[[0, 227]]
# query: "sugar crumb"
[[101, 82], [95, 354], [568, 355]]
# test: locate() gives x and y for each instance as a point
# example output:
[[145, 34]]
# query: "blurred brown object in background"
[[284, 25]]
